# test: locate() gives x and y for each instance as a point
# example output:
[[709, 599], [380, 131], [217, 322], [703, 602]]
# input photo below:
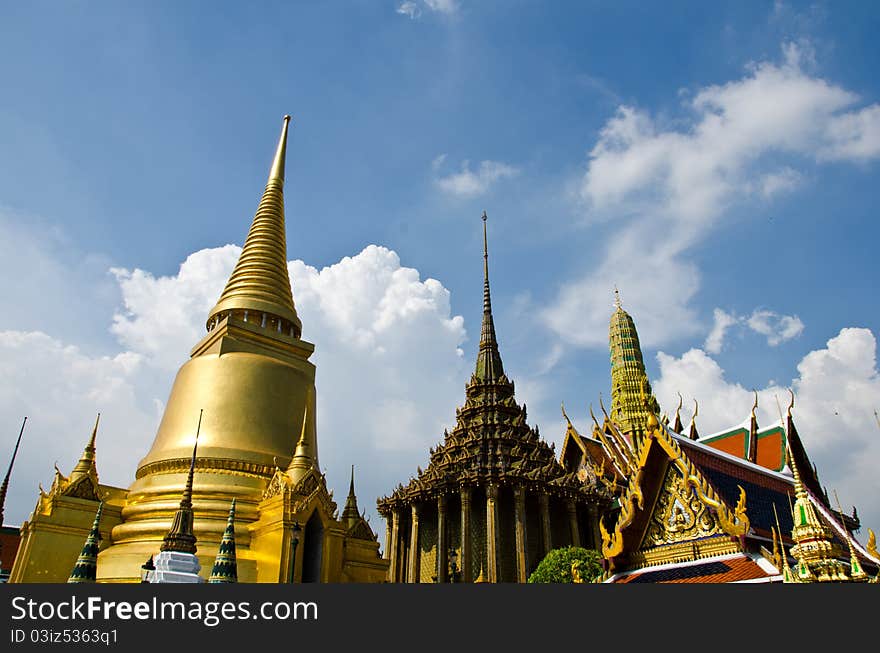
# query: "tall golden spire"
[[180, 537], [489, 365], [259, 284], [5, 484], [628, 377]]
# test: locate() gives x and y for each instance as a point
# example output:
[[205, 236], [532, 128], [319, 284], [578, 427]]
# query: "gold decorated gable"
[[302, 493], [682, 508]]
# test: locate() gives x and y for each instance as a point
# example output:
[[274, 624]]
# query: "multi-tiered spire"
[[489, 367], [259, 288], [5, 484], [815, 550], [86, 567], [351, 514], [181, 537], [629, 381], [225, 568], [86, 466]]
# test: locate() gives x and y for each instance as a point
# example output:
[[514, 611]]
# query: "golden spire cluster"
[[259, 288]]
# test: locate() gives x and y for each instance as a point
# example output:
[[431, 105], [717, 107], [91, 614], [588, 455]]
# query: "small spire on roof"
[[694, 434], [677, 425]]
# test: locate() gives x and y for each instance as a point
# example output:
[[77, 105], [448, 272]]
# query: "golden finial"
[[595, 421], [277, 169], [617, 303], [602, 406], [694, 434], [564, 413], [677, 427], [87, 460], [791, 404], [755, 405]]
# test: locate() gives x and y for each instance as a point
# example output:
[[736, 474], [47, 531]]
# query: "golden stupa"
[[251, 380]]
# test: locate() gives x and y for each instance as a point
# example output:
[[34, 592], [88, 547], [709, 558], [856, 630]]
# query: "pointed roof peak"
[[617, 303], [351, 513], [86, 462], [302, 460], [5, 485], [260, 283], [489, 366], [225, 569]]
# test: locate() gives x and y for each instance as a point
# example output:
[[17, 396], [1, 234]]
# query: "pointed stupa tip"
[[277, 169], [87, 460], [617, 303], [260, 284], [302, 460], [5, 485], [187, 492], [489, 365]]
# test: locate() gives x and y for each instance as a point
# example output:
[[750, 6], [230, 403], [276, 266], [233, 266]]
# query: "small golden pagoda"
[[493, 500], [250, 383]]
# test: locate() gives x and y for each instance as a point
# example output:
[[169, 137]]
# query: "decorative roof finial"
[[87, 461], [181, 537], [677, 425], [617, 303], [694, 434], [350, 513], [5, 484]]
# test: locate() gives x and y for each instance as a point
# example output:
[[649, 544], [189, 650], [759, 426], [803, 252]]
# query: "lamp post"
[[453, 568], [294, 540]]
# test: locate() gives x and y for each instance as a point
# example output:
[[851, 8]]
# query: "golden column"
[[519, 495], [394, 555], [414, 545], [388, 540], [545, 523], [573, 522], [466, 573], [441, 539], [492, 533]]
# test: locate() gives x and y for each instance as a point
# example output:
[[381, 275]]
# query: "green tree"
[[556, 565]]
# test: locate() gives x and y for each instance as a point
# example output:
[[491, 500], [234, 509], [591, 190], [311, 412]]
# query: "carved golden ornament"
[[680, 515], [872, 545]]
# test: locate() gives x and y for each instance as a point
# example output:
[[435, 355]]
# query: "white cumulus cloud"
[[666, 184], [472, 183], [774, 327], [390, 370]]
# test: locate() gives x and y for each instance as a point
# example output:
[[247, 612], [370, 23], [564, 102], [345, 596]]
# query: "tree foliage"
[[556, 565]]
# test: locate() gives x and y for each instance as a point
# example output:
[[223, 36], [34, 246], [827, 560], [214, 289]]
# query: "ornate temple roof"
[[735, 568], [491, 441]]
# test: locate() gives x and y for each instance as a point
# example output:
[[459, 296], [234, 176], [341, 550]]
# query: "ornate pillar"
[[545, 522], [441, 539], [519, 495], [573, 523], [414, 546], [466, 574], [393, 571], [388, 538], [492, 533], [593, 511]]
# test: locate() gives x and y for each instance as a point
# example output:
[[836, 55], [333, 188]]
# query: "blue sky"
[[718, 162]]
